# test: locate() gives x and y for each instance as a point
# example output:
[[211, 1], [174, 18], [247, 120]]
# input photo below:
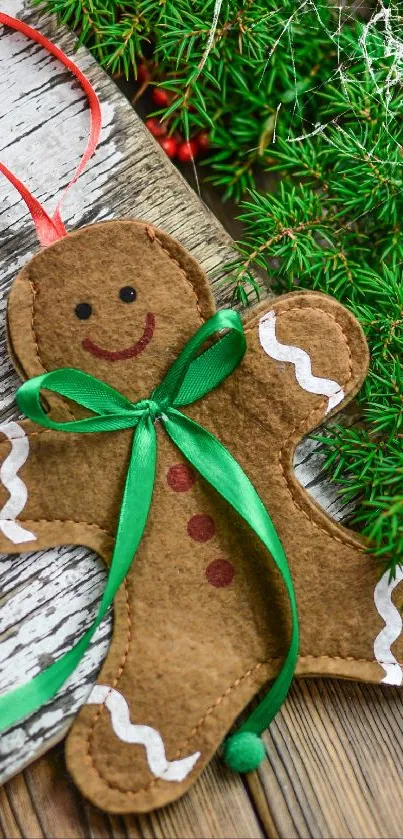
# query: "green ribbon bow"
[[191, 376]]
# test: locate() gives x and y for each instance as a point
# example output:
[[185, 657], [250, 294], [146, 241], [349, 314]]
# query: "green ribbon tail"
[[223, 472], [28, 697]]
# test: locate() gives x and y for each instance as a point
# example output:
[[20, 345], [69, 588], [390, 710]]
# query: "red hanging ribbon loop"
[[51, 228]]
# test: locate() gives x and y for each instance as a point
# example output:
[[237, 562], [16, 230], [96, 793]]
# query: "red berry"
[[203, 140], [157, 128], [143, 73], [169, 145], [160, 97], [188, 151]]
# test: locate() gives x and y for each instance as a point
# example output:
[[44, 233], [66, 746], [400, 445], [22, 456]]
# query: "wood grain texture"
[[334, 753], [335, 762], [43, 802]]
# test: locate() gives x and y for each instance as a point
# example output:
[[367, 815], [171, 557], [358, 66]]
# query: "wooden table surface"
[[334, 753]]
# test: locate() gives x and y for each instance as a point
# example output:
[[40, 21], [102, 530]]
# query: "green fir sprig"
[[307, 95], [335, 225]]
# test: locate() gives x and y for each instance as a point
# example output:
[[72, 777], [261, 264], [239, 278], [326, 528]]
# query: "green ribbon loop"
[[191, 376]]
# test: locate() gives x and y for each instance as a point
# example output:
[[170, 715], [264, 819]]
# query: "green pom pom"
[[244, 751]]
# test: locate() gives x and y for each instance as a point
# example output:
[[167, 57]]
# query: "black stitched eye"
[[83, 311], [128, 294]]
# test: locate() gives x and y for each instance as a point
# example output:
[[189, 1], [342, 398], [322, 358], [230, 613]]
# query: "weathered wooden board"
[[42, 802], [334, 752]]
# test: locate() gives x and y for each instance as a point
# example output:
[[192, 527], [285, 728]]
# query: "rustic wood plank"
[[24, 808], [217, 807], [8, 822], [103, 827], [42, 803], [59, 807], [335, 762], [261, 803]]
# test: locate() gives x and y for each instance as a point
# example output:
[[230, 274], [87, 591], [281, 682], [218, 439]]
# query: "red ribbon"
[[50, 229]]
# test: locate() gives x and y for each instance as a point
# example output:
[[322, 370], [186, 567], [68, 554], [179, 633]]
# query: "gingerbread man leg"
[[194, 652]]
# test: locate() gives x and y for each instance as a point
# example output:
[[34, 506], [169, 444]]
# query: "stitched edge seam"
[[88, 742], [66, 521], [183, 272]]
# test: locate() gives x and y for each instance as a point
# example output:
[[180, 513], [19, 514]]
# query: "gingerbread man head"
[[117, 300]]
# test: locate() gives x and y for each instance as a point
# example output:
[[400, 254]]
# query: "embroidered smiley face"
[[127, 294], [117, 300]]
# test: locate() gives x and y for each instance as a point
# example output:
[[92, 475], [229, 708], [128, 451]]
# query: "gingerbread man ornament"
[[202, 622]]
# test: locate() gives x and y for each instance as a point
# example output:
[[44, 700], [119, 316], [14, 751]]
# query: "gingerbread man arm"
[[307, 358], [40, 503], [313, 355]]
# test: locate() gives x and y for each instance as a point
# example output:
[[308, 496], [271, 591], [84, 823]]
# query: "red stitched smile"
[[130, 352]]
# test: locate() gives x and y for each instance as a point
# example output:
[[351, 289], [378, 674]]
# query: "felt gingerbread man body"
[[202, 622]]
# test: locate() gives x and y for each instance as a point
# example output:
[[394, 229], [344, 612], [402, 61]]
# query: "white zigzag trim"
[[392, 629], [142, 735], [15, 486], [301, 361]]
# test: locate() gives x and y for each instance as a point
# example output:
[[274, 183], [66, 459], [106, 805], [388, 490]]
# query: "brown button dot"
[[180, 477], [201, 528], [220, 573]]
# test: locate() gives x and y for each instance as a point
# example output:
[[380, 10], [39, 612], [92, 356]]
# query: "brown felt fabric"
[[188, 656], [91, 266]]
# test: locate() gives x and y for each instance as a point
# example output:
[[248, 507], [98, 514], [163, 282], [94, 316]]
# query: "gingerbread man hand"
[[201, 623]]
